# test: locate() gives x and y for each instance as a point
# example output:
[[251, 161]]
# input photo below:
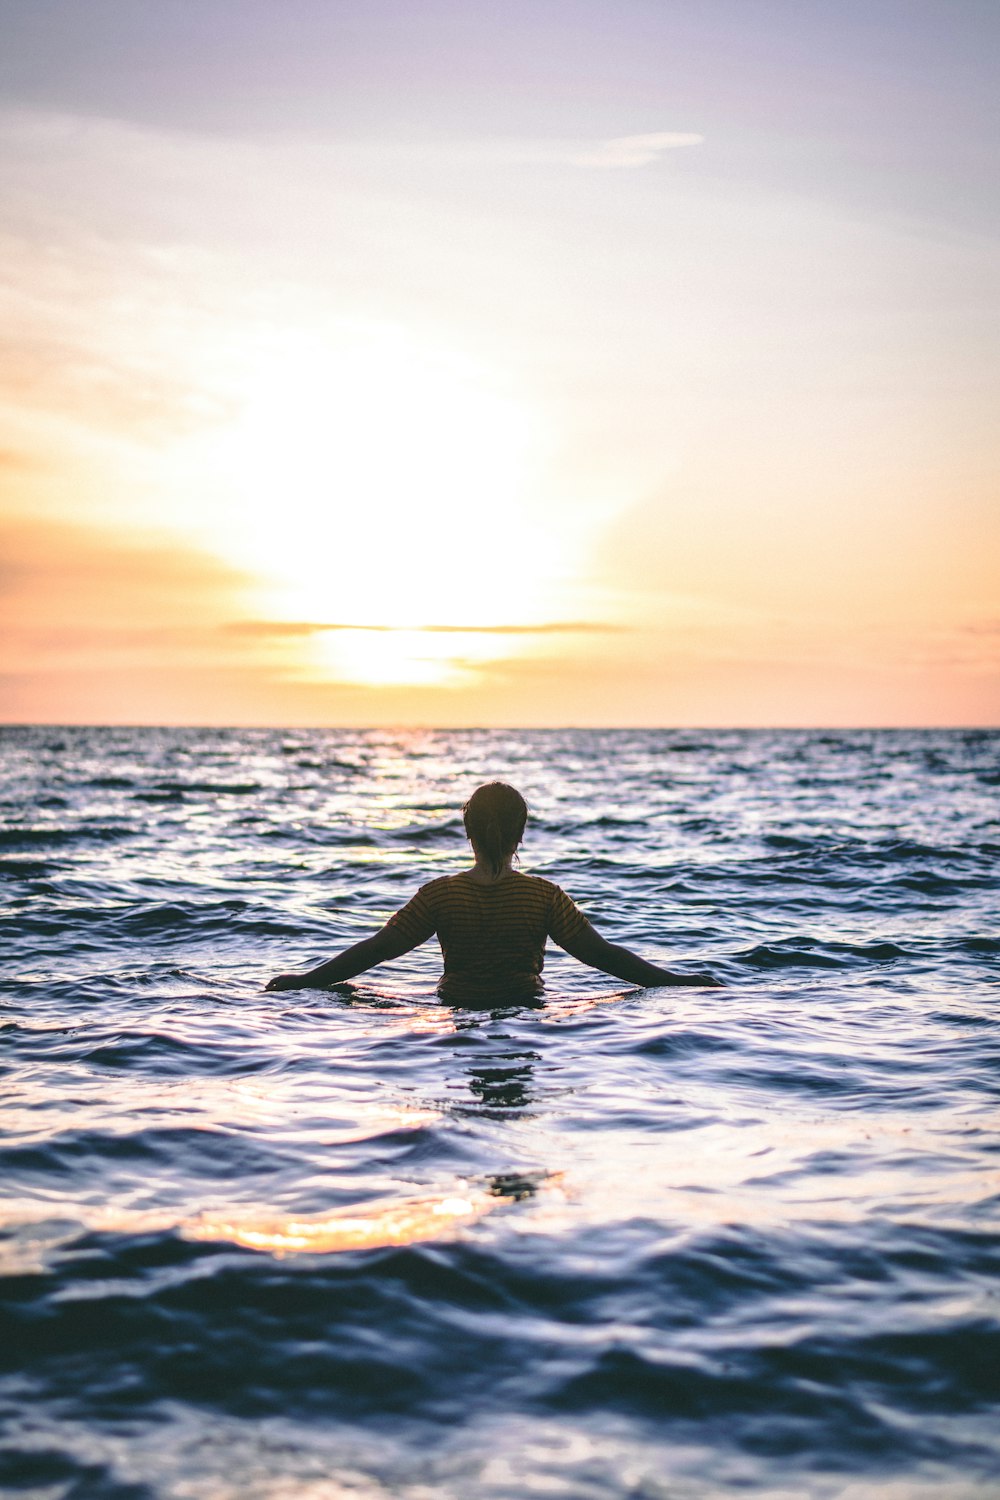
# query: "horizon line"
[[517, 728]]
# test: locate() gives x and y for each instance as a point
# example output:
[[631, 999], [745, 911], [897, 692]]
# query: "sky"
[[559, 362]]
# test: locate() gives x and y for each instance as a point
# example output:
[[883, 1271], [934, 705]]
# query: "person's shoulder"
[[560, 903], [547, 888], [442, 888]]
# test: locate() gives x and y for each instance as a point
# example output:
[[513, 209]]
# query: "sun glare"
[[369, 482], [416, 658]]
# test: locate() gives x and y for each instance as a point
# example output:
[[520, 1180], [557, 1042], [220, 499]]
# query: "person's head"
[[495, 816]]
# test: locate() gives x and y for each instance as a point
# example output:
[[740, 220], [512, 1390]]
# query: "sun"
[[373, 481]]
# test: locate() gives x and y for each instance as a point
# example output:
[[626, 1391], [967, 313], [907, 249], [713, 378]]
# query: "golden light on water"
[[406, 1221], [401, 1223]]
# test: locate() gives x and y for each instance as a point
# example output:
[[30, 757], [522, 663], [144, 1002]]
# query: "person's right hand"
[[284, 982]]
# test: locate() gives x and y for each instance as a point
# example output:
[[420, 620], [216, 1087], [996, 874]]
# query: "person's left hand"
[[284, 982]]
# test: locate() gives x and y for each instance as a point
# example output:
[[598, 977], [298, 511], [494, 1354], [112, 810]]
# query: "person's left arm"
[[588, 946], [570, 929]]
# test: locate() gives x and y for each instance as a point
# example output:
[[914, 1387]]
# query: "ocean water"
[[624, 1243]]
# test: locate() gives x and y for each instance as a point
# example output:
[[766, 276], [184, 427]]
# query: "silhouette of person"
[[492, 921]]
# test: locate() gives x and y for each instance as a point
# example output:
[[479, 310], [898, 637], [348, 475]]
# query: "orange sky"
[[611, 365]]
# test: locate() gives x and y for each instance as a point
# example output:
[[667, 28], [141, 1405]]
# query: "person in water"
[[492, 921]]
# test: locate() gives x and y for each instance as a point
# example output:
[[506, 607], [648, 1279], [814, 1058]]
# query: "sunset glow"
[[366, 377]]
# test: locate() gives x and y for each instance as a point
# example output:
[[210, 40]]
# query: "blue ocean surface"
[[622, 1243]]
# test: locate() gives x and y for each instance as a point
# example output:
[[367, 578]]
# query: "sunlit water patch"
[[622, 1243]]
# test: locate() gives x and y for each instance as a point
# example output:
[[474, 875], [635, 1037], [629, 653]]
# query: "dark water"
[[652, 1244]]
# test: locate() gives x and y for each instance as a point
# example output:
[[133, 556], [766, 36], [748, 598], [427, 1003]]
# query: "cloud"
[[635, 150], [66, 556], [76, 592], [616, 151], [320, 627], [16, 462]]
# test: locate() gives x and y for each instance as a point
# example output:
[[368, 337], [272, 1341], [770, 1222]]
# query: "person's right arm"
[[387, 943], [587, 945], [409, 928]]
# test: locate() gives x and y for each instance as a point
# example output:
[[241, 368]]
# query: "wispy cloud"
[[635, 150], [16, 462], [320, 627], [614, 152]]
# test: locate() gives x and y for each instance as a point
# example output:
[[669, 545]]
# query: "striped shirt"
[[491, 936]]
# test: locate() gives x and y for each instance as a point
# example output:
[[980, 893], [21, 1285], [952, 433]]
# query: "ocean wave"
[[808, 952], [56, 837], [26, 869], [712, 1331]]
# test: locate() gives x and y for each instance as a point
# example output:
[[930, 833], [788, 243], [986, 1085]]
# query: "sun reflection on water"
[[402, 1223], [405, 1220]]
